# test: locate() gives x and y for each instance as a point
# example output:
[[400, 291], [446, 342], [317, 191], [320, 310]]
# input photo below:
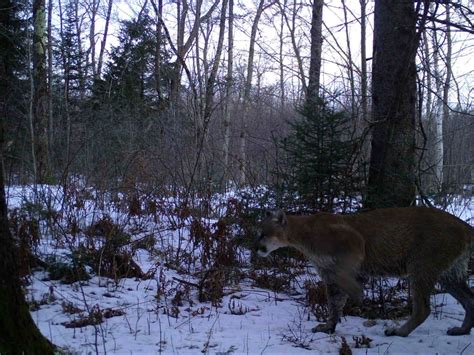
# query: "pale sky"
[[334, 46]]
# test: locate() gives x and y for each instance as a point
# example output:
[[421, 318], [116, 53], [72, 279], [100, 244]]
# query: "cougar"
[[425, 244]]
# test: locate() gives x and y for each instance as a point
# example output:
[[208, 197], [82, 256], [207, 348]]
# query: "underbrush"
[[196, 250]]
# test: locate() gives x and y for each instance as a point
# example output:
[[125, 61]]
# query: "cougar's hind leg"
[[463, 294], [421, 308], [336, 300], [454, 282]]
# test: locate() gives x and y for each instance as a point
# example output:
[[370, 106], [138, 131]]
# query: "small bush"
[[66, 272]]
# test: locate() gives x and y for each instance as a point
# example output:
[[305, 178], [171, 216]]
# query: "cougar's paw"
[[394, 331], [458, 331], [324, 328]]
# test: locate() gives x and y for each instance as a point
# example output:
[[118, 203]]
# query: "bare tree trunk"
[[50, 76], [228, 90], [362, 121], [246, 96], [206, 101], [40, 96], [159, 27], [95, 6], [429, 94], [363, 61], [447, 82], [437, 119], [209, 106], [312, 92], [66, 75], [202, 74], [431, 180], [104, 37], [181, 12], [282, 70], [292, 29], [391, 174], [182, 47], [80, 69], [31, 119], [350, 69]]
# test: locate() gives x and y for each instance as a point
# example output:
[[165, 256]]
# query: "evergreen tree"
[[73, 60], [318, 159], [15, 90], [130, 73]]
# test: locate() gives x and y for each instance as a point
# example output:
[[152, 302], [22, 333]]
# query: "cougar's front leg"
[[336, 300]]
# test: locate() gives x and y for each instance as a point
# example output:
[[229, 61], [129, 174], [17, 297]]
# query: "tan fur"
[[425, 244]]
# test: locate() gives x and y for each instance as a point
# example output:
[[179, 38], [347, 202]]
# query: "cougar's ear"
[[280, 217]]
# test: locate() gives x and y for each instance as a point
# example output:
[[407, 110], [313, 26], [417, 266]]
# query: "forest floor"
[[161, 312]]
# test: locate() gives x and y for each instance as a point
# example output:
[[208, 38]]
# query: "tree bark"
[[280, 57], [292, 29], [94, 8], [228, 91], [391, 173], [18, 332], [182, 47], [363, 62], [40, 94], [437, 118], [158, 45], [246, 96], [312, 92], [81, 71], [50, 76], [350, 68], [104, 38], [211, 81], [444, 119]]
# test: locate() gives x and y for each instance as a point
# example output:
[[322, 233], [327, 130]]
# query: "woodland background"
[[203, 94], [142, 140]]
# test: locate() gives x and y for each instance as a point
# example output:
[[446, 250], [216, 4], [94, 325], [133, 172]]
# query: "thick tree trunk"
[[18, 332], [391, 174]]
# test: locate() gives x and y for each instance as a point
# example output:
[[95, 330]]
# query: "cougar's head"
[[272, 233]]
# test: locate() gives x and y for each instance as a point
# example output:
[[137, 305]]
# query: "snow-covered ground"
[[146, 318], [270, 323]]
